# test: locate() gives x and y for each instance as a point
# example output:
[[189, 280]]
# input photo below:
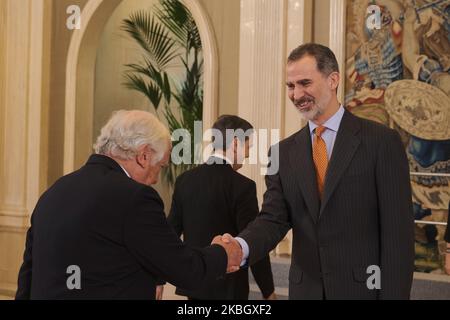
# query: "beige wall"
[[60, 44], [225, 18], [321, 23], [115, 50]]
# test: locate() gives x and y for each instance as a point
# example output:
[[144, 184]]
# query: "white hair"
[[126, 131]]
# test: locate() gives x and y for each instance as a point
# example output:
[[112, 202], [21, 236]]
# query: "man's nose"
[[298, 93]]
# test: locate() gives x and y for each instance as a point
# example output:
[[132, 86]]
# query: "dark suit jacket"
[[365, 217], [115, 230], [212, 200]]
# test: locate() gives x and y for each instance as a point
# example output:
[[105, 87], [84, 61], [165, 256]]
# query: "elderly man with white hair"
[[101, 233]]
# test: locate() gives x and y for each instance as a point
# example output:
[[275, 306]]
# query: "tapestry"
[[397, 73]]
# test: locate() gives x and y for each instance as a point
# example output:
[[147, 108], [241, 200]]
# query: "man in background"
[[215, 199], [101, 233]]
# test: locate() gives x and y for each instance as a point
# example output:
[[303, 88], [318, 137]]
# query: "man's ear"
[[334, 79], [142, 156]]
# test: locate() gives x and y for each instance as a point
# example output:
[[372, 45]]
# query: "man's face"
[[308, 89], [154, 169], [242, 152], [147, 169]]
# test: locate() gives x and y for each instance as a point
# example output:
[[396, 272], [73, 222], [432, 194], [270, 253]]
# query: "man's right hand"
[[233, 250]]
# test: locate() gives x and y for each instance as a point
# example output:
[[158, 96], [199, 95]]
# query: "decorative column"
[[261, 75], [22, 143], [338, 16], [269, 30]]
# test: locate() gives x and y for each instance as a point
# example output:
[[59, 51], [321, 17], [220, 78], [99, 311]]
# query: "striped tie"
[[320, 158]]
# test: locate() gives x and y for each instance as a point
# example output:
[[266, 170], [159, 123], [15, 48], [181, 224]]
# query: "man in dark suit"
[[343, 187], [101, 232], [215, 199]]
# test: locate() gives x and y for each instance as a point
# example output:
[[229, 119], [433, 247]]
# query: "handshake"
[[233, 250]]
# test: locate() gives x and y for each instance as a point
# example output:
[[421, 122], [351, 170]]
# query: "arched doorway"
[[80, 70]]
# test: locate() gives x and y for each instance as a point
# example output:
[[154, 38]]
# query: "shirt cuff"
[[245, 250]]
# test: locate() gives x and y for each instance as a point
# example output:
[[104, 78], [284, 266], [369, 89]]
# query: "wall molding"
[[8, 290], [11, 211], [338, 17], [13, 229]]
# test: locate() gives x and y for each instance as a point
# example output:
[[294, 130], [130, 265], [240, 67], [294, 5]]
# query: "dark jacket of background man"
[[214, 199]]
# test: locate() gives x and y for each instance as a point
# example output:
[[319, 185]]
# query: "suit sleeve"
[[272, 224], [262, 272], [175, 217], [160, 251], [396, 219], [25, 272], [246, 211]]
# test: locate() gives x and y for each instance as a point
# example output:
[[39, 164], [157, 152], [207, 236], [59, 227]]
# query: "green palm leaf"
[[150, 90], [152, 37], [177, 18], [161, 79]]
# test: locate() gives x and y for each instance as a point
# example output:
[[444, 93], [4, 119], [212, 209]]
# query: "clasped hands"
[[233, 250]]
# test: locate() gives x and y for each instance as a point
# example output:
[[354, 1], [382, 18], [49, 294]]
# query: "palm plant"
[[169, 38]]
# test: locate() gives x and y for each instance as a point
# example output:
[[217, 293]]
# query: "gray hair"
[[126, 131]]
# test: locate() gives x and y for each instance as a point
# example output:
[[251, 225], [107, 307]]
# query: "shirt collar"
[[332, 124], [222, 156], [126, 172]]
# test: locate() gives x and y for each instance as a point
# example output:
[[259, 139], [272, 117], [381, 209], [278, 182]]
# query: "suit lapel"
[[303, 167], [345, 146]]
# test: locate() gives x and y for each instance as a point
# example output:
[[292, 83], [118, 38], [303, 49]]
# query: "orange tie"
[[320, 158]]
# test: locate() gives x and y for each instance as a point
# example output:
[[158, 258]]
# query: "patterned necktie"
[[320, 158]]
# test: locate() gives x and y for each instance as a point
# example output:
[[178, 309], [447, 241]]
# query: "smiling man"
[[343, 187]]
